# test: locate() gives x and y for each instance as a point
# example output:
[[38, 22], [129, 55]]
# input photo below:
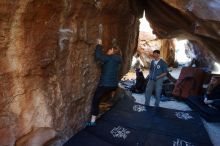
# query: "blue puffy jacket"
[[110, 67]]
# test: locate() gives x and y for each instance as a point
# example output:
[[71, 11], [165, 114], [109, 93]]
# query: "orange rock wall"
[[47, 68]]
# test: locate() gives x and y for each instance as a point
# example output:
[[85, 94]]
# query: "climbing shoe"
[[90, 124]]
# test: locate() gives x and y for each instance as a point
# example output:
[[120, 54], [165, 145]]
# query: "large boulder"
[[47, 68]]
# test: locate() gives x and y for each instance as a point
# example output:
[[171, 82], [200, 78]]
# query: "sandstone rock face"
[[37, 137], [197, 21], [189, 19], [146, 47], [47, 68]]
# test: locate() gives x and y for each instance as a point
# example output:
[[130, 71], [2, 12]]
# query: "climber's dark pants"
[[99, 93]]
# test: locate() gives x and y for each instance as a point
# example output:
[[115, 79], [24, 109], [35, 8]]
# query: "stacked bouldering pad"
[[189, 82]]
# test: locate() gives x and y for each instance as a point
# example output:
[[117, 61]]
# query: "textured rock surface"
[[146, 47], [197, 21], [47, 68], [36, 137], [191, 19]]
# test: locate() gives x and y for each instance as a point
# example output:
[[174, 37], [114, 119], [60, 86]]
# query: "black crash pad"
[[187, 125], [138, 121], [84, 138], [132, 124], [155, 139], [208, 113], [117, 134], [130, 114]]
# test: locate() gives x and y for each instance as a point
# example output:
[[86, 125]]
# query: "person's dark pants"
[[99, 93]]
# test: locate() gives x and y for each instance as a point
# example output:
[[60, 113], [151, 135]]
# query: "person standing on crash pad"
[[157, 72], [111, 62]]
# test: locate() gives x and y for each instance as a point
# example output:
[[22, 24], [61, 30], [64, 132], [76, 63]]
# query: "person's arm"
[[151, 67], [161, 75], [216, 103], [206, 101], [151, 70], [99, 53], [209, 88]]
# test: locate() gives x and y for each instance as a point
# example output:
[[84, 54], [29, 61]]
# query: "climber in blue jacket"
[[111, 62]]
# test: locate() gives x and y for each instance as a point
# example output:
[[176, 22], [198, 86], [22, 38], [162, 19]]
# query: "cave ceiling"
[[194, 20]]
